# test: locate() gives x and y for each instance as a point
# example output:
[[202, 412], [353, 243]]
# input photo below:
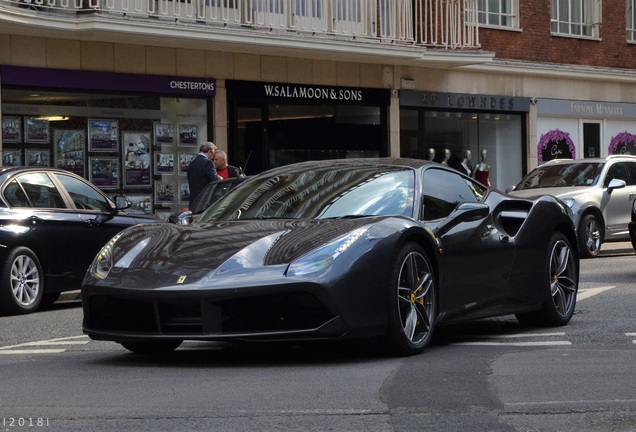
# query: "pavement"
[[616, 248]]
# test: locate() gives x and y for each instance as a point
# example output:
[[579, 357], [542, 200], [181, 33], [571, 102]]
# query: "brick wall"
[[536, 44]]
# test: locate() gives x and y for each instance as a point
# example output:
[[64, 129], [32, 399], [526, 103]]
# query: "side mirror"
[[464, 212], [184, 218], [122, 203], [615, 184]]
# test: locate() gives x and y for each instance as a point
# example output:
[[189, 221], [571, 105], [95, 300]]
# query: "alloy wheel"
[[25, 280], [416, 297], [563, 285]]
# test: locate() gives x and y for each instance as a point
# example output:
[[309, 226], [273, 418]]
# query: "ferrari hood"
[[199, 248]]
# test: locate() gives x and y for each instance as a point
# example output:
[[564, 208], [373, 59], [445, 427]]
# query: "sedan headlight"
[[321, 258]]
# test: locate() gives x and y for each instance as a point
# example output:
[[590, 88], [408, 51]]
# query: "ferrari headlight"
[[103, 262], [322, 258]]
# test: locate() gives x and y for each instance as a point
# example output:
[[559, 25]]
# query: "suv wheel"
[[590, 238]]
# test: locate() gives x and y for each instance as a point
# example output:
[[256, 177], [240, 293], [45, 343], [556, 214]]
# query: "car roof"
[[596, 160]]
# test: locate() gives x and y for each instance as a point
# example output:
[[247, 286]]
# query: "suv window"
[[631, 169], [616, 171], [83, 195], [33, 190], [444, 190]]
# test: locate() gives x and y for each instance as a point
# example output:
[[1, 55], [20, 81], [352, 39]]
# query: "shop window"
[[591, 140], [124, 144], [453, 138], [580, 18]]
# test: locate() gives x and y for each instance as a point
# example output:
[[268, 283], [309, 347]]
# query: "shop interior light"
[[53, 118]]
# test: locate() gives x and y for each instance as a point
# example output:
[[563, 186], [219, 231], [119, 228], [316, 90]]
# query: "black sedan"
[[52, 224], [353, 248]]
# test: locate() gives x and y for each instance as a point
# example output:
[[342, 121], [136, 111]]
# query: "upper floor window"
[[493, 13], [631, 20], [576, 17]]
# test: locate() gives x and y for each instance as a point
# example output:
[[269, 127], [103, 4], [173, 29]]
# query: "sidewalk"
[[615, 248]]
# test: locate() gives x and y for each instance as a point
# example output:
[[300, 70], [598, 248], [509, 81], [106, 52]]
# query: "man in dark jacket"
[[201, 170]]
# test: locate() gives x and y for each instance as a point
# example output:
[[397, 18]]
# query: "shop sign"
[[308, 93], [106, 81], [465, 101], [587, 109]]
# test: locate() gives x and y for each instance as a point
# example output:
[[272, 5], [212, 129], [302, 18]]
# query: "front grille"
[[268, 313], [111, 313]]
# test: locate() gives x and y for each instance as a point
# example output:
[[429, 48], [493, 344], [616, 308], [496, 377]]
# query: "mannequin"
[[447, 155], [482, 169], [465, 165], [431, 154]]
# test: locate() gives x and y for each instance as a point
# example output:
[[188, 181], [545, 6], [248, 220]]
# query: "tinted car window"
[[616, 171], [571, 174], [326, 193], [631, 169], [83, 195], [444, 190], [33, 190]]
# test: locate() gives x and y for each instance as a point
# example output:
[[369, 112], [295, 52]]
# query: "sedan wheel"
[[412, 302], [21, 284], [590, 236], [561, 286]]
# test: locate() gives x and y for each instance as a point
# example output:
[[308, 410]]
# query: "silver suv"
[[600, 193]]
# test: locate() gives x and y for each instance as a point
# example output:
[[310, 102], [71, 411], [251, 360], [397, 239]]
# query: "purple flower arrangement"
[[553, 138], [623, 139]]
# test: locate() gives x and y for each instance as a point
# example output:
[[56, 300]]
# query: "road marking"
[[491, 340], [493, 343], [24, 348], [590, 292]]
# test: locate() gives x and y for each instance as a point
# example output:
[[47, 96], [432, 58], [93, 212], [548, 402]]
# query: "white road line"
[[32, 351], [520, 335], [590, 292], [24, 348], [544, 343]]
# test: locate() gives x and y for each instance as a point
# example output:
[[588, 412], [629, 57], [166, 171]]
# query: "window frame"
[[491, 14], [583, 18], [630, 21]]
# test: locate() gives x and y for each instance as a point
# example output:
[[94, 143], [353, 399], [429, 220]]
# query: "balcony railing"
[[430, 23]]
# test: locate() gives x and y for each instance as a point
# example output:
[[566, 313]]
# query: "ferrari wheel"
[[151, 347], [21, 282], [590, 236], [561, 286], [412, 302]]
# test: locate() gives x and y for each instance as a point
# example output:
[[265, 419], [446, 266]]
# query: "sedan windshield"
[[296, 193], [562, 175]]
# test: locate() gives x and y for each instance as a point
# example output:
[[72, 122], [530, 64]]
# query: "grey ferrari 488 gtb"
[[341, 249]]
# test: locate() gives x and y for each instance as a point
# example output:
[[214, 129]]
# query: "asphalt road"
[[488, 376]]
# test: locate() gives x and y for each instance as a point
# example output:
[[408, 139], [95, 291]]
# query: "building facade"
[[132, 87]]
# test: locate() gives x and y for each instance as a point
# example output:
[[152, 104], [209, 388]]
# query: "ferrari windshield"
[[296, 193], [562, 175]]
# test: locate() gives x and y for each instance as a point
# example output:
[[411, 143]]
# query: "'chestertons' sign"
[[107, 81]]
